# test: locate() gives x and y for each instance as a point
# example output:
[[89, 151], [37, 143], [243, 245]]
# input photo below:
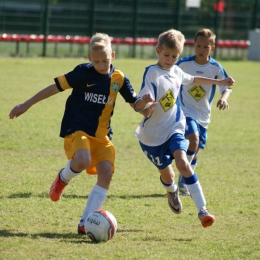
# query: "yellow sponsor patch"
[[168, 100], [197, 92]]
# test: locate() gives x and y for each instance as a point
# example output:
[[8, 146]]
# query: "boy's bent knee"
[[79, 164], [183, 167]]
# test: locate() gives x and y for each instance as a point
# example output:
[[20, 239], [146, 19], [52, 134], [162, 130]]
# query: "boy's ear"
[[89, 57], [157, 50], [113, 55], [213, 47]]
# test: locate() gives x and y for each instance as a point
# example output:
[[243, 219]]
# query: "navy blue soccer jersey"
[[90, 106]]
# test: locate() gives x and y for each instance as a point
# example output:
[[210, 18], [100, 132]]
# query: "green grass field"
[[31, 154]]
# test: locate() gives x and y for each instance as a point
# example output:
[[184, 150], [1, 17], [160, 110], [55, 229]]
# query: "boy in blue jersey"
[[196, 101], [86, 122], [161, 136]]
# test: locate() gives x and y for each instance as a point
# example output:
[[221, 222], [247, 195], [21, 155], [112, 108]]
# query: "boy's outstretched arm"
[[43, 94], [144, 105], [208, 81]]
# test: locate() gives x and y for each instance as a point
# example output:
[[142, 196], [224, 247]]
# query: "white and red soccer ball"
[[100, 226]]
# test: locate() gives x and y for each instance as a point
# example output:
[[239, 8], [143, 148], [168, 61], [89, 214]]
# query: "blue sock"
[[191, 180]]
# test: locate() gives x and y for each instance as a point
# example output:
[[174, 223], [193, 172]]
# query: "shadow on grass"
[[69, 237], [75, 238], [24, 195], [152, 238]]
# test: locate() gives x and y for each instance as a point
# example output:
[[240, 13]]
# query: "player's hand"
[[149, 111], [228, 81], [222, 104], [18, 110], [150, 105], [147, 98]]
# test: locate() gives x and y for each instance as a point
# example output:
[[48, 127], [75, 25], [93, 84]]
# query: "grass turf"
[[31, 154]]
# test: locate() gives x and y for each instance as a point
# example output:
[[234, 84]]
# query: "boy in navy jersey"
[[86, 122], [196, 101]]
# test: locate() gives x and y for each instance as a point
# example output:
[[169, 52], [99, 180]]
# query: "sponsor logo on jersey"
[[167, 76], [115, 87], [197, 92], [167, 101], [99, 98], [90, 85], [199, 72]]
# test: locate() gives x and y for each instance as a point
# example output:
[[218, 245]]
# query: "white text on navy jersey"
[[98, 98]]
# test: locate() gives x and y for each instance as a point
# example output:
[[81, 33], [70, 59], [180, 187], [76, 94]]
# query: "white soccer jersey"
[[167, 119], [196, 101]]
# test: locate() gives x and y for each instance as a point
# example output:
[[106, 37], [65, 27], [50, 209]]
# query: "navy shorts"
[[192, 126], [161, 156]]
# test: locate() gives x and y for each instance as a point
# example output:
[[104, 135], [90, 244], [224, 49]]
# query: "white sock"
[[67, 174], [194, 163], [193, 166], [95, 201], [172, 187], [197, 195], [190, 157]]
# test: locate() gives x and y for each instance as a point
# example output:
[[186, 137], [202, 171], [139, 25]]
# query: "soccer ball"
[[100, 226]]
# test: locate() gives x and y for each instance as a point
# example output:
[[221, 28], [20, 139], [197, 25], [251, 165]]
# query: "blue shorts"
[[192, 126], [161, 156]]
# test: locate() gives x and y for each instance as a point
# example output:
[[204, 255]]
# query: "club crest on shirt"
[[197, 92], [167, 101], [115, 87]]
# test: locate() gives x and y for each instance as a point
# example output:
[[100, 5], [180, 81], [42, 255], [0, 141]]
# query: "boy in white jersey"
[[161, 136], [196, 101]]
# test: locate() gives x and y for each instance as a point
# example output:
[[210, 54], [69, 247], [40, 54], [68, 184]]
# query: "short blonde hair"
[[172, 39], [206, 33], [100, 41]]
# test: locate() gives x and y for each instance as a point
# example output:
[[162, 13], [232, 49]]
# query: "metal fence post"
[[45, 27], [135, 27], [254, 16], [216, 27], [178, 20], [92, 18]]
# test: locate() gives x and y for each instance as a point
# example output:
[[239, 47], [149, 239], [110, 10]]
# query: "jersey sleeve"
[[148, 84], [127, 91], [187, 79], [69, 80]]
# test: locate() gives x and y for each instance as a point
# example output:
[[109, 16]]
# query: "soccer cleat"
[[81, 230], [205, 218], [174, 202], [182, 187], [57, 187]]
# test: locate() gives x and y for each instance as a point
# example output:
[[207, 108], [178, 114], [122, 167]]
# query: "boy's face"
[[167, 57], [203, 47], [101, 60]]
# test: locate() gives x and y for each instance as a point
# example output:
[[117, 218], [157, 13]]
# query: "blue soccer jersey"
[[90, 106]]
